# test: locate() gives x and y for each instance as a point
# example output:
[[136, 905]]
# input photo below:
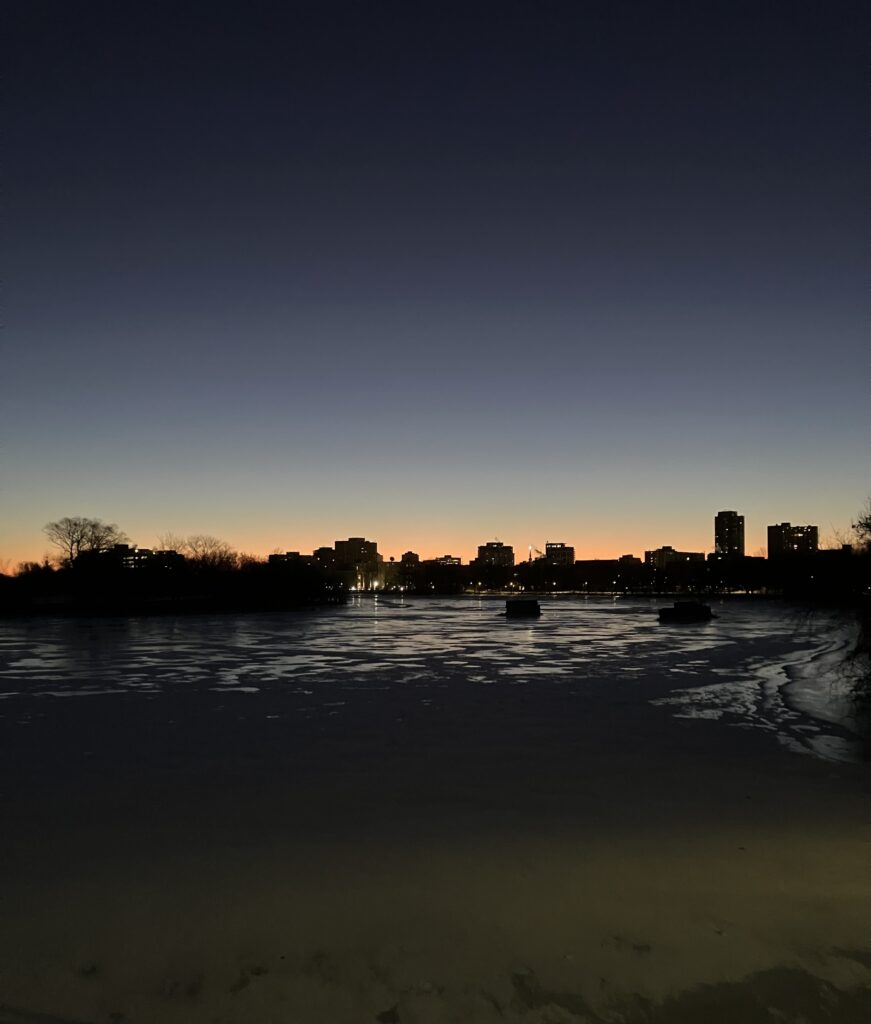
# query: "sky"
[[435, 274]]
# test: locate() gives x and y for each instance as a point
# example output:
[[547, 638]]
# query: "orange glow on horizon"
[[604, 546], [391, 547]]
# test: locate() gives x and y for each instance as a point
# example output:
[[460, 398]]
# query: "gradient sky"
[[435, 273]]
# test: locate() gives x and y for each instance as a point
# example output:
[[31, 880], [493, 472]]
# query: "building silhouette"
[[355, 561], [729, 535], [129, 556], [290, 558], [356, 551], [558, 553], [785, 539], [325, 558], [407, 575], [495, 553], [666, 556]]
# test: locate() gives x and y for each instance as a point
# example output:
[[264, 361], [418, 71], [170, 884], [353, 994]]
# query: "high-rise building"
[[729, 535], [784, 539]]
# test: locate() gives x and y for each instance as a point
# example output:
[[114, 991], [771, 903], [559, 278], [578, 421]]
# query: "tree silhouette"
[[171, 542], [210, 552], [75, 535], [862, 526]]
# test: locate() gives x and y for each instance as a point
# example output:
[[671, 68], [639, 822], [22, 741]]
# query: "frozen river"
[[757, 664], [419, 811]]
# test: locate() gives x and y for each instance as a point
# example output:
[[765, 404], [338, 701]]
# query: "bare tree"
[[74, 535], [210, 552], [247, 560], [28, 568], [835, 540], [862, 526], [171, 542]]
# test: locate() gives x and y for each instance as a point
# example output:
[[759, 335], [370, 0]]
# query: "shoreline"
[[71, 608]]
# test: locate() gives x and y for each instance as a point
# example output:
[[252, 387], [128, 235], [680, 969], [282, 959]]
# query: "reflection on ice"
[[803, 698]]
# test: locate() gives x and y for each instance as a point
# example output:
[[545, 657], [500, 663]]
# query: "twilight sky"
[[435, 273]]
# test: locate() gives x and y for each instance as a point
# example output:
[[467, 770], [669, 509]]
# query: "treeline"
[[103, 585], [97, 573]]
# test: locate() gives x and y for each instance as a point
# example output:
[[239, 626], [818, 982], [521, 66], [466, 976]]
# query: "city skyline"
[[290, 274], [521, 553]]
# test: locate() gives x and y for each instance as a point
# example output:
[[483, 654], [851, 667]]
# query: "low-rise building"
[[666, 556], [446, 560], [495, 553], [359, 564], [558, 553], [289, 558], [785, 539], [129, 556]]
